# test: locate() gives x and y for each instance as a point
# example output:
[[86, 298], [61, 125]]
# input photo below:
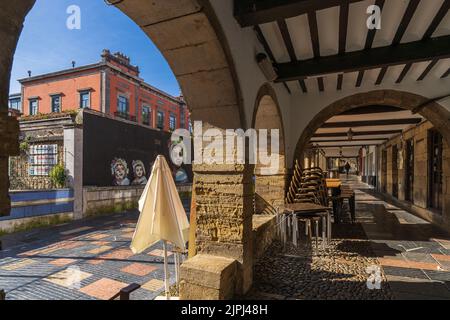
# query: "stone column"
[[9, 146], [224, 198], [73, 147], [12, 14], [223, 265]]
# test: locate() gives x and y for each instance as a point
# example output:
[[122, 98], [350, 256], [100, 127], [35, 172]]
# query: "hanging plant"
[[58, 176]]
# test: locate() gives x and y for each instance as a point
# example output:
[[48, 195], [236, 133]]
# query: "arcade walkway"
[[413, 256]]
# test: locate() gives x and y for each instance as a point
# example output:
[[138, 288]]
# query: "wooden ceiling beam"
[[254, 12], [418, 51]]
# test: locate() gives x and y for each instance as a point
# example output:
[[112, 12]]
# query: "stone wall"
[[98, 200], [264, 233], [269, 193], [420, 203]]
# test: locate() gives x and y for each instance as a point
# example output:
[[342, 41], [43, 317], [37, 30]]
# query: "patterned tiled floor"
[[414, 254], [90, 259]]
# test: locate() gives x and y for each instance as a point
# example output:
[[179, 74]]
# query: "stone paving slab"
[[84, 260], [420, 271]]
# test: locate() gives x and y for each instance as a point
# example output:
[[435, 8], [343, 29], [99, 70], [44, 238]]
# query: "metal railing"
[[125, 116]]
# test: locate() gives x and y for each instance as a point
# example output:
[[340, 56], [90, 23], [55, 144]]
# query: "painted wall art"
[[119, 170], [139, 173]]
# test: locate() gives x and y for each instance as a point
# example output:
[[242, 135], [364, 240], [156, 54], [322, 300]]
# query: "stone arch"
[[438, 116], [189, 36], [433, 111], [269, 188]]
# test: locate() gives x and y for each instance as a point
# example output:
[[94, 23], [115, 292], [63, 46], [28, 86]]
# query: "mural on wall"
[[139, 173], [134, 150], [119, 170], [181, 176], [177, 156]]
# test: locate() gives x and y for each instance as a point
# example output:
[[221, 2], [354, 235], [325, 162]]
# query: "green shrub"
[[24, 146], [58, 176]]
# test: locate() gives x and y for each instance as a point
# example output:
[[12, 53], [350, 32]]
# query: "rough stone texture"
[[12, 15], [101, 199], [269, 193], [264, 233], [206, 277], [9, 131], [224, 208], [187, 35]]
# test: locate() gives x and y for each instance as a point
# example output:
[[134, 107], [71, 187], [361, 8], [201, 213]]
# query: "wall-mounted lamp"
[[266, 66], [350, 134]]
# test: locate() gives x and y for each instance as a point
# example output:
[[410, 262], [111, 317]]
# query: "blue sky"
[[47, 45]]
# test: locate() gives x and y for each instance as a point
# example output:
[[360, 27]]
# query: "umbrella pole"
[[166, 269]]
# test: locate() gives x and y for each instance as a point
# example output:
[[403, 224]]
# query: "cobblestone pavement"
[[87, 259], [413, 257], [339, 272]]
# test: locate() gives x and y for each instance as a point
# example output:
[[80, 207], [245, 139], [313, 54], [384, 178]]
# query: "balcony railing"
[[125, 116]]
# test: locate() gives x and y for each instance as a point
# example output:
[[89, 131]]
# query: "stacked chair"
[[309, 186]]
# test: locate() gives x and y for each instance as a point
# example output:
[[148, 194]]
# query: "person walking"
[[347, 168]]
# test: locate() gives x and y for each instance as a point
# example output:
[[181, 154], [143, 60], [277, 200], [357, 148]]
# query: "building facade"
[[111, 86]]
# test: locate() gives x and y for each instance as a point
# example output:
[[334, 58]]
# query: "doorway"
[[384, 170], [409, 170], [395, 171], [435, 170]]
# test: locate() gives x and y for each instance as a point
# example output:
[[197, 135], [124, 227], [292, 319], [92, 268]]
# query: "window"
[[42, 159], [146, 115], [85, 99], [15, 103], [122, 105], [34, 107], [56, 103], [172, 122], [160, 120]]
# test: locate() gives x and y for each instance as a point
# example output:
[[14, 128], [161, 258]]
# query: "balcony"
[[124, 115]]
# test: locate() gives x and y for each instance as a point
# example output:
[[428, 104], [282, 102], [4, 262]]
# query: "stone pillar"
[[224, 209], [9, 146], [73, 154], [12, 14]]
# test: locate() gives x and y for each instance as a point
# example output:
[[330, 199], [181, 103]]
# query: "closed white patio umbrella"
[[162, 215]]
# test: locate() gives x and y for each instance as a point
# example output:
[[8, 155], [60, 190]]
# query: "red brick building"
[[111, 86]]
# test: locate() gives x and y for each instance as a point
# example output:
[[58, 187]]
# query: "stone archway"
[[438, 116], [269, 188], [190, 38], [433, 111]]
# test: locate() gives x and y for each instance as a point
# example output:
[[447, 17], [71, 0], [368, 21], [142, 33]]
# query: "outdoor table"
[[333, 183], [303, 209]]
